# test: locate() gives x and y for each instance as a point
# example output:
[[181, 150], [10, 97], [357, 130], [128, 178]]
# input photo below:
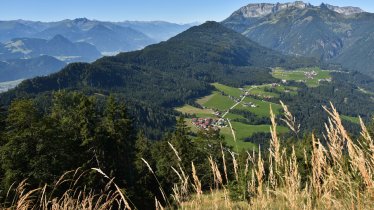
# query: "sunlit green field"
[[218, 101], [242, 131], [228, 90], [299, 75], [262, 109]]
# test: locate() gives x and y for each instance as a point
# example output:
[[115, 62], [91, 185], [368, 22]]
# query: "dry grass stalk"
[[158, 182], [274, 141], [290, 120], [175, 151], [356, 154], [235, 164], [224, 163], [119, 191], [197, 183], [318, 166], [216, 173], [260, 171]]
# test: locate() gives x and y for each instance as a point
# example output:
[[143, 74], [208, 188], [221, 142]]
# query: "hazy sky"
[[180, 11]]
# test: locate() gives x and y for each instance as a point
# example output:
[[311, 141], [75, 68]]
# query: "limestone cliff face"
[[345, 10], [263, 9]]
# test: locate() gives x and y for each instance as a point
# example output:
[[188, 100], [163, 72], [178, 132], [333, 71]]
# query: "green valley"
[[247, 109]]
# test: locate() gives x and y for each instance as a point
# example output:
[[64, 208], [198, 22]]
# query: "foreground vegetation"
[[295, 172]]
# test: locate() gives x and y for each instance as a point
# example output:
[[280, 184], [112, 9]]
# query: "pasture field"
[[223, 102], [218, 101], [262, 109], [299, 75]]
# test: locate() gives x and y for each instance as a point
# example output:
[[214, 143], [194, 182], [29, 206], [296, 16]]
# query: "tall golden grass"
[[341, 177], [341, 172]]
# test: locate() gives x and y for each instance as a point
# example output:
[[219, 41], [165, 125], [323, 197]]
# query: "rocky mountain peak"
[[80, 21], [263, 9], [345, 10]]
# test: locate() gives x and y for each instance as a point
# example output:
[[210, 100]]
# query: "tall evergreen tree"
[[21, 141]]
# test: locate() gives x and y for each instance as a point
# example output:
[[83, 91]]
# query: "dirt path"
[[245, 95], [228, 120]]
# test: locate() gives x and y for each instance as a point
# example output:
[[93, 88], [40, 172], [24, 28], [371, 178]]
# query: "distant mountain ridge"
[[330, 33], [77, 40], [58, 47], [15, 69], [105, 36]]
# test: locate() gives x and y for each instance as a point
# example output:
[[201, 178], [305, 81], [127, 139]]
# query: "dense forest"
[[94, 132]]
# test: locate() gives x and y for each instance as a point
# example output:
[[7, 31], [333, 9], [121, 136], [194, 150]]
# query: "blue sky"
[[180, 11]]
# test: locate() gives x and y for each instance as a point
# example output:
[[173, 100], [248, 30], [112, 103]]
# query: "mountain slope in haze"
[[58, 46], [15, 69], [326, 32], [173, 72], [13, 29], [107, 37], [157, 30]]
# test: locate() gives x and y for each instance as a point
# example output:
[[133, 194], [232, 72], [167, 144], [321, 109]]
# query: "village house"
[[310, 75]]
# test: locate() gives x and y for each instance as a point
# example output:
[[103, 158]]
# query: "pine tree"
[[21, 141]]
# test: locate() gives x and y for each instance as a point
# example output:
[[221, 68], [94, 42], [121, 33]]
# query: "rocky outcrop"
[[345, 10], [263, 9]]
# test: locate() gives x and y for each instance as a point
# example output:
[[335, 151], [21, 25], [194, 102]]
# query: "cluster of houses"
[[310, 74], [209, 123]]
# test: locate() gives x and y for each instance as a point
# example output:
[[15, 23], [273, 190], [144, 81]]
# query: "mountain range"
[[58, 46], [78, 40], [334, 34], [107, 37]]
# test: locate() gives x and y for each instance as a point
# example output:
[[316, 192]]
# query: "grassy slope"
[[262, 109], [217, 101]]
